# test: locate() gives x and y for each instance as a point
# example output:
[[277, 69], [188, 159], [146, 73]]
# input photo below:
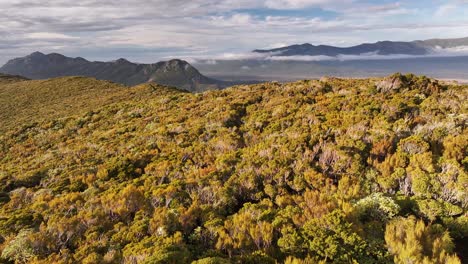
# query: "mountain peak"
[[36, 54], [178, 65], [122, 61], [81, 59]]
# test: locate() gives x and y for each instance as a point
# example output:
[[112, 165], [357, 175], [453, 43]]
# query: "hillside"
[[336, 170], [27, 103], [176, 73]]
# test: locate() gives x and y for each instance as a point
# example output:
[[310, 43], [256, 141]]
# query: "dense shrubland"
[[330, 171]]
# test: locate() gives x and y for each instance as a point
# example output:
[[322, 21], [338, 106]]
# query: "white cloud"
[[445, 10], [298, 4], [148, 30], [438, 52], [48, 35], [275, 45]]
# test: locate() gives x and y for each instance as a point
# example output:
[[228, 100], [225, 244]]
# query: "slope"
[[27, 102], [336, 170]]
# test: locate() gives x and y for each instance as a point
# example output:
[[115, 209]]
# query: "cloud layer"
[[151, 30]]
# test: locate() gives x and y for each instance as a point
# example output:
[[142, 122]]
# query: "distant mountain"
[[443, 43], [177, 73], [418, 47]]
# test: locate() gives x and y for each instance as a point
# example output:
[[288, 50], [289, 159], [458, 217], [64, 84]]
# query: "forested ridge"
[[323, 171]]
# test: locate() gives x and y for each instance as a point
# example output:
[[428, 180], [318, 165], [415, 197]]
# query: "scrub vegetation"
[[324, 171]]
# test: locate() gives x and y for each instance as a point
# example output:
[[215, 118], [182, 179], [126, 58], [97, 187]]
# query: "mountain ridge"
[[417, 47], [175, 72]]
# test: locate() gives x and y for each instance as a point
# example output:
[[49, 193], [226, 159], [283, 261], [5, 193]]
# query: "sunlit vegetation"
[[330, 171], [25, 103]]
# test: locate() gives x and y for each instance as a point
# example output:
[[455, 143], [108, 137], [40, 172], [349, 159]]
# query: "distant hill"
[[6, 78], [419, 47], [177, 73]]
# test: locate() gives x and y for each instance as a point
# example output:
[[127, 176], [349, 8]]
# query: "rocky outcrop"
[[397, 81], [392, 83]]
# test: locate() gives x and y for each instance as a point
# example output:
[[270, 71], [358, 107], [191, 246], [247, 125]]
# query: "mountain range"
[[279, 64], [418, 47], [177, 73]]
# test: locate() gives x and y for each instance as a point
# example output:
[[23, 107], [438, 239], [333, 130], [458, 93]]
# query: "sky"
[[152, 30]]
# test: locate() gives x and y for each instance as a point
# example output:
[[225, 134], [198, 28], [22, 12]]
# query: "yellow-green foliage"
[[331, 171], [27, 103], [411, 241]]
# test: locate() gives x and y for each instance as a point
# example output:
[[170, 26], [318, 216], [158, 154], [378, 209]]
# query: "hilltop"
[[176, 73], [333, 170]]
